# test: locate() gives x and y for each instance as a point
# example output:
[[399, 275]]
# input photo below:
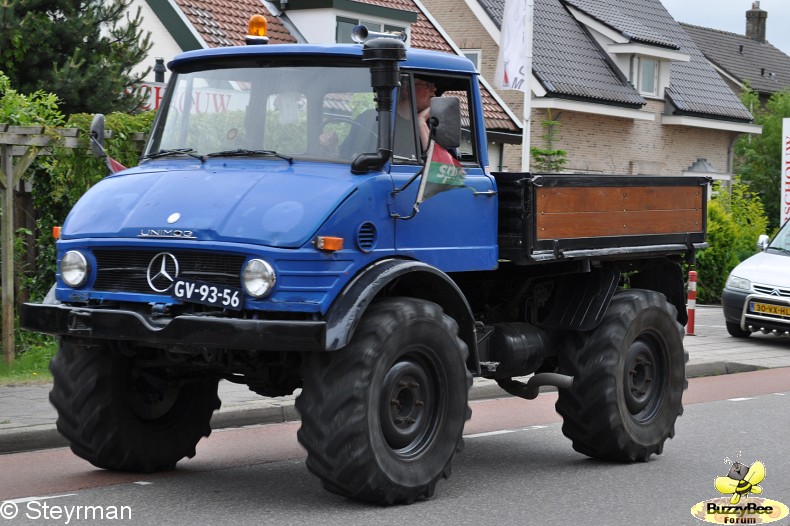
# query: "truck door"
[[455, 229]]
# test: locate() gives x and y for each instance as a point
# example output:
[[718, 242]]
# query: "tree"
[[83, 51], [548, 159], [759, 157]]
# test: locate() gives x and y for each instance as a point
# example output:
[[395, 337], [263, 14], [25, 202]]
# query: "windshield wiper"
[[780, 249], [176, 151], [241, 152]]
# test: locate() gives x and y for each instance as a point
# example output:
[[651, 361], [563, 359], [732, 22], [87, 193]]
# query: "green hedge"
[[60, 179], [735, 221]]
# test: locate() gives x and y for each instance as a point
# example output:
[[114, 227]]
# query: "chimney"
[[755, 23]]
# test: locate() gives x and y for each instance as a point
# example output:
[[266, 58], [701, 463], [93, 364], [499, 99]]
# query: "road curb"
[[46, 436]]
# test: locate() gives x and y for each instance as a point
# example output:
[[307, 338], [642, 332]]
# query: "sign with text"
[[204, 100], [152, 93], [784, 206]]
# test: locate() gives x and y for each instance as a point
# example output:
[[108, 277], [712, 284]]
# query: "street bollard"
[[692, 302]]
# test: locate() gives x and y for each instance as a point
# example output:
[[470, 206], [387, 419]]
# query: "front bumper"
[[756, 312], [187, 331]]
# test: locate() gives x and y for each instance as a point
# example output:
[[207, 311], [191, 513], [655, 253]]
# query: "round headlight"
[[258, 278], [74, 269]]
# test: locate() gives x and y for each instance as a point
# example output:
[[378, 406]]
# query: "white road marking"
[[44, 497], [491, 433], [503, 432]]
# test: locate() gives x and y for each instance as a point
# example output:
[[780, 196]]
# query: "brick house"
[[747, 58], [631, 91], [181, 25]]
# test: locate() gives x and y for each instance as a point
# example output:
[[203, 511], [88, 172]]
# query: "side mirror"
[[762, 242], [97, 136], [445, 121]]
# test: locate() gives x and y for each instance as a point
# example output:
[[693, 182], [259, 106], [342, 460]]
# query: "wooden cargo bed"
[[544, 217]]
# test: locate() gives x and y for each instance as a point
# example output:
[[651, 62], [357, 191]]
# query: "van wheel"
[[383, 417], [735, 330], [629, 377]]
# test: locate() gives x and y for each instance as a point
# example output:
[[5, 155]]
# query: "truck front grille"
[[127, 270]]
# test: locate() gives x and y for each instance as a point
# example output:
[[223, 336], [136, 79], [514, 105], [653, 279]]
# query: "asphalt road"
[[517, 468]]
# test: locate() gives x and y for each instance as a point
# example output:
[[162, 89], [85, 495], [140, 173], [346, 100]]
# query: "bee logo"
[[741, 480]]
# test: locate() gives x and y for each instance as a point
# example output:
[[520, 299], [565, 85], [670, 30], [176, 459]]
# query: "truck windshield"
[[320, 113]]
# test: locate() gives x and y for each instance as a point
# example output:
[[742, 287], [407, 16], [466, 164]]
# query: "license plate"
[[766, 308], [208, 294]]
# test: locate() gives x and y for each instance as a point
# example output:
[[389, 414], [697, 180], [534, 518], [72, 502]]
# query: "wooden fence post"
[[24, 143]]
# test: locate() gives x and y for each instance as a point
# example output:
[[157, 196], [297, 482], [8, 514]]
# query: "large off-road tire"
[[119, 416], [383, 417], [629, 377]]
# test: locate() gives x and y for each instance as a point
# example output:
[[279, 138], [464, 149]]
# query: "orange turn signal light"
[[329, 243], [56, 232]]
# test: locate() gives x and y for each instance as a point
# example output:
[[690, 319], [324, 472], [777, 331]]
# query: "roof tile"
[[764, 67], [570, 64], [629, 26]]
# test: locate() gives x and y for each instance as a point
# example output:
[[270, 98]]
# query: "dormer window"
[[331, 21], [645, 75]]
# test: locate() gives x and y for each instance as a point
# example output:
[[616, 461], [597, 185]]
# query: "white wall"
[[163, 44]]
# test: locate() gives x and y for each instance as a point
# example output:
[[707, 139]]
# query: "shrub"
[[715, 262], [60, 180], [735, 221]]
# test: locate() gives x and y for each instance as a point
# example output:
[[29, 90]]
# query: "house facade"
[[628, 89]]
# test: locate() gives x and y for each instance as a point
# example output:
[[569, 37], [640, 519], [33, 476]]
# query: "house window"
[[474, 56], [645, 75], [345, 25]]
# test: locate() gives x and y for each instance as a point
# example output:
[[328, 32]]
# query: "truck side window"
[[408, 146], [466, 151], [404, 143]]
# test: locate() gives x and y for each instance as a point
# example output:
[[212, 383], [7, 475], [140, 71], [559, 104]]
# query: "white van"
[[757, 294]]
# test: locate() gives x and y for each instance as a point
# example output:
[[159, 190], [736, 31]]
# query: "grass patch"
[[31, 363]]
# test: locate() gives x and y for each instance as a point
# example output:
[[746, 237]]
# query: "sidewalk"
[[27, 420]]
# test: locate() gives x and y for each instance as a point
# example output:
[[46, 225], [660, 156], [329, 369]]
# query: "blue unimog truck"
[[273, 235]]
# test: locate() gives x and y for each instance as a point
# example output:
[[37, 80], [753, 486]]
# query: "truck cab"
[[255, 164]]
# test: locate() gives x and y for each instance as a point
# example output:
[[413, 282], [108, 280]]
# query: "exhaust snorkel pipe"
[[384, 54]]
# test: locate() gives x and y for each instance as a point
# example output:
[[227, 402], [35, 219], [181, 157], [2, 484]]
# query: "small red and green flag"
[[442, 172]]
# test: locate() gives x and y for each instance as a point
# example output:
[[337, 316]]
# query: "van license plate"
[[207, 294], [765, 308]]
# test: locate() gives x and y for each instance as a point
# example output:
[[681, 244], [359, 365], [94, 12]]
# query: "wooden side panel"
[[595, 211]]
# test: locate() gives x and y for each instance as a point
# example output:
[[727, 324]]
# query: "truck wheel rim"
[[645, 371], [407, 407], [149, 402]]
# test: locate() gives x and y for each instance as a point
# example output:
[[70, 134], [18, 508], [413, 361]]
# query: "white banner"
[[511, 67], [784, 205]]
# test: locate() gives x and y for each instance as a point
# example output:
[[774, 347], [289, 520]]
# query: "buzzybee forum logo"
[[739, 505]]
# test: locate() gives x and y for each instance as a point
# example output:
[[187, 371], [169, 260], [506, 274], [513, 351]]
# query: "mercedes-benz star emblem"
[[162, 272], [172, 218]]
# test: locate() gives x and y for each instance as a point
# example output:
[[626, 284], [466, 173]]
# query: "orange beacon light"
[[257, 31]]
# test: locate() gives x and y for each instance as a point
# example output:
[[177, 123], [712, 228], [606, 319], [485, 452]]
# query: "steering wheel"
[[342, 119], [327, 142]]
